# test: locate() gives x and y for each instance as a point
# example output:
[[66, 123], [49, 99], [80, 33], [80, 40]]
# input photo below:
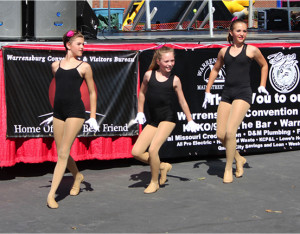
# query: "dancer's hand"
[[93, 124], [140, 118], [47, 121], [207, 99], [192, 126], [262, 89]]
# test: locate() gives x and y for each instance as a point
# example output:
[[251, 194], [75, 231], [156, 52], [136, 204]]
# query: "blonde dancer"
[[157, 89]]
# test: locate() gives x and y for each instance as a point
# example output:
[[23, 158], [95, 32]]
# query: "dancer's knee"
[[153, 151], [135, 153], [63, 154], [230, 135], [221, 136]]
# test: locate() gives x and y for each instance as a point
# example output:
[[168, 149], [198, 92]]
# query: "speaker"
[[87, 21], [11, 18], [261, 19], [277, 19], [53, 18]]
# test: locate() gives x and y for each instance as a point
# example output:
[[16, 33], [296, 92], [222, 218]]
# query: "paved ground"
[[193, 200]]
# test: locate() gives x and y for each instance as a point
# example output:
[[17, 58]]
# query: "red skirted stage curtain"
[[37, 150]]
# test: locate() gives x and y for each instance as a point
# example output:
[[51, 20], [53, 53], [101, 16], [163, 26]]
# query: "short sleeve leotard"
[[159, 99], [67, 101], [237, 82]]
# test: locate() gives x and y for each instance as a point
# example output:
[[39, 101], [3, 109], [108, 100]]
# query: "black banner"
[[30, 89], [272, 123]]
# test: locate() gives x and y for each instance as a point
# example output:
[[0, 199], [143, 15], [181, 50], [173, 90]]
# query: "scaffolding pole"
[[188, 10], [250, 14], [148, 21], [289, 14], [211, 18], [200, 9]]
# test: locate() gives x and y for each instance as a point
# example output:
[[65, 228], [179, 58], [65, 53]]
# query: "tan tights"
[[153, 137], [65, 133], [229, 118]]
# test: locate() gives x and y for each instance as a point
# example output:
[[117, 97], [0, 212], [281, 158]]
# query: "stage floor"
[[194, 199], [197, 36], [180, 36]]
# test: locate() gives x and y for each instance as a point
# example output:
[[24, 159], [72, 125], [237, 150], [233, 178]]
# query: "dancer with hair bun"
[[159, 85], [237, 94], [69, 110]]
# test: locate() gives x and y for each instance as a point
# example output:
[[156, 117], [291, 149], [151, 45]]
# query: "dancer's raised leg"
[[163, 131], [141, 145]]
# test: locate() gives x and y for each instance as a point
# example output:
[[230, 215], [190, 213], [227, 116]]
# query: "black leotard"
[[237, 82], [67, 101], [159, 99]]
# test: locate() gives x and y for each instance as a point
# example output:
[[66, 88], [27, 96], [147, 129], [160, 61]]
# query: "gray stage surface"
[[194, 199], [196, 36], [179, 36]]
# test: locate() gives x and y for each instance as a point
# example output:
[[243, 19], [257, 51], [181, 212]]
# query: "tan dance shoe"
[[76, 185], [51, 203], [240, 167], [228, 177], [152, 188], [164, 169]]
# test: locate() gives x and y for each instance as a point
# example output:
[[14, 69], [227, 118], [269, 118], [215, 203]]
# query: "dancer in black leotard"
[[158, 86], [69, 111], [67, 102], [237, 94], [159, 100], [236, 68]]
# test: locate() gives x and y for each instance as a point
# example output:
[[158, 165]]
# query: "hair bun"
[[70, 33]]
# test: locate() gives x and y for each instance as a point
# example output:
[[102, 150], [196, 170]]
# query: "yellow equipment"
[[237, 6], [133, 13]]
